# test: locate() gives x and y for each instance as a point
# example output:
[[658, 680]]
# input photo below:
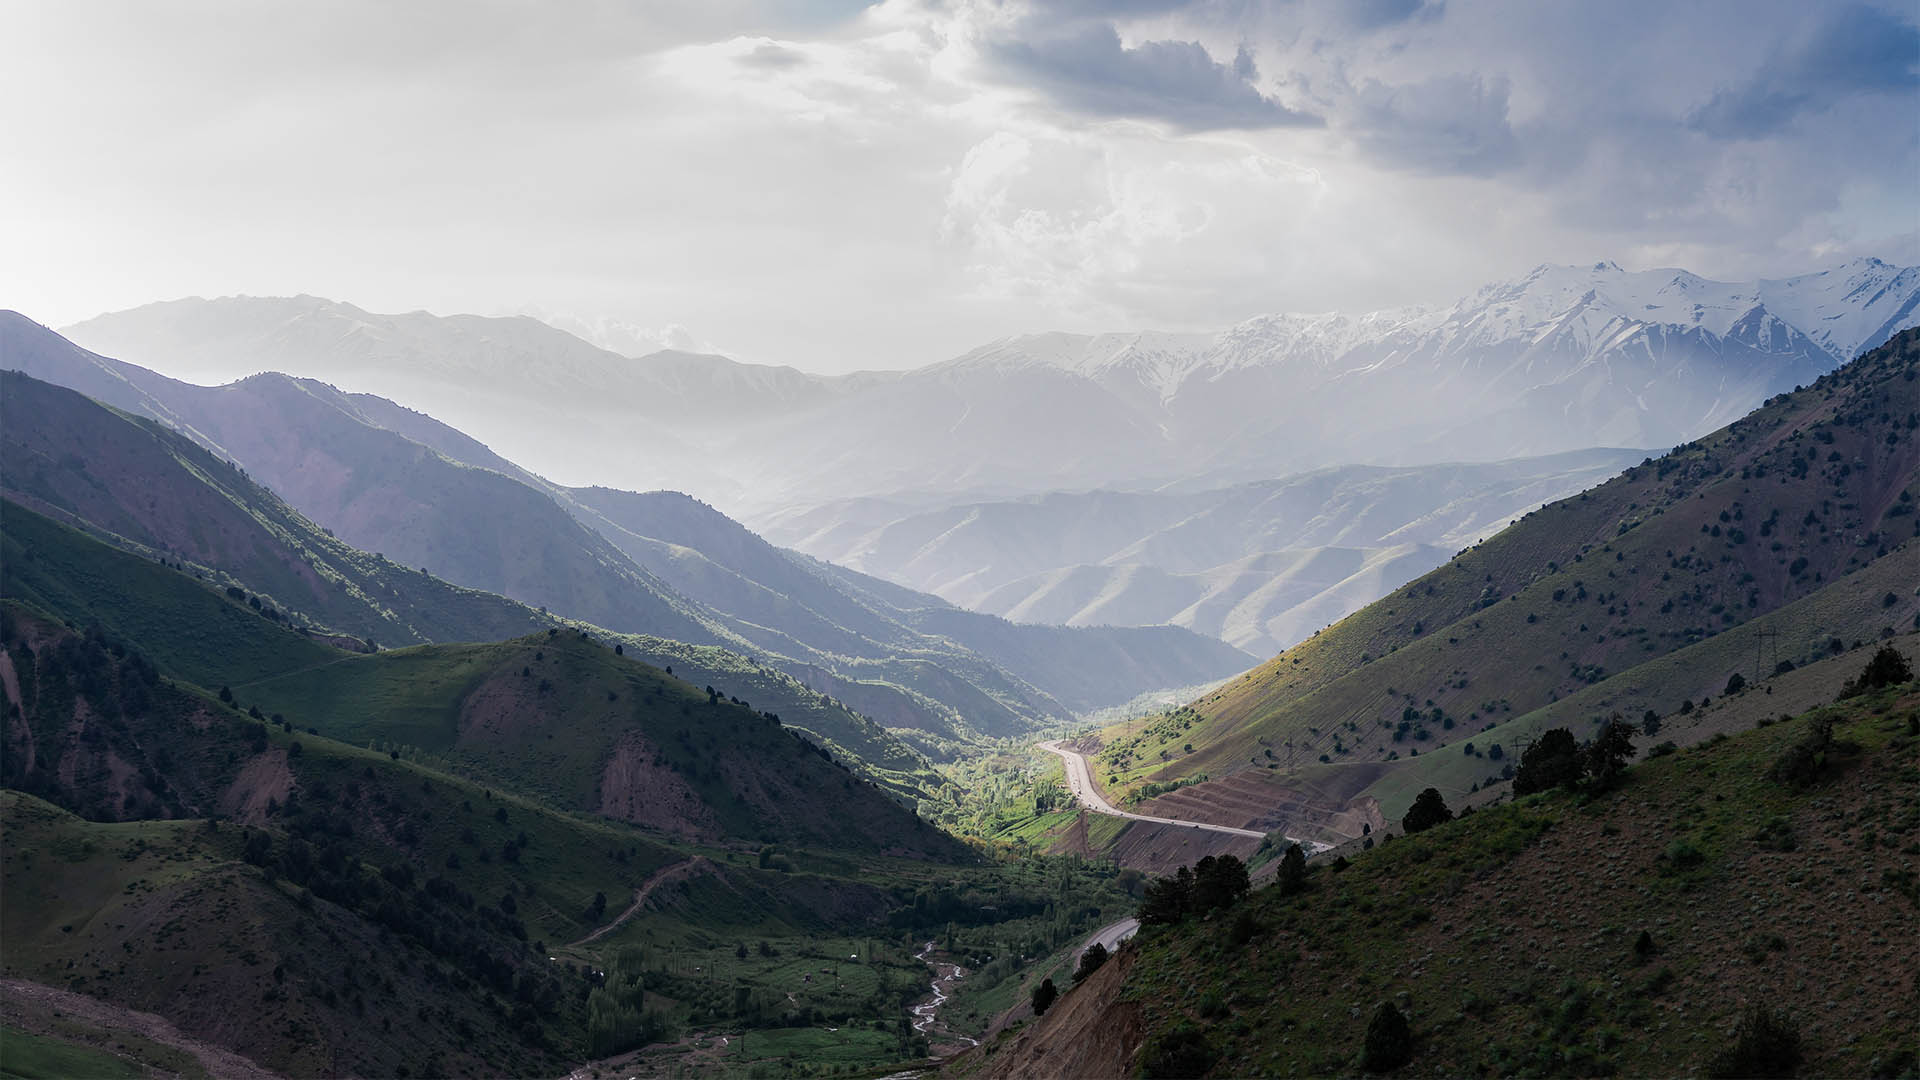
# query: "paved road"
[[1081, 784], [1109, 937]]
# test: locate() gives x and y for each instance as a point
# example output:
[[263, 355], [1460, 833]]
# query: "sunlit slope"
[[1814, 486]]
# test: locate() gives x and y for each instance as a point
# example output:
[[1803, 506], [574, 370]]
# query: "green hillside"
[[1814, 490], [218, 528], [1618, 932], [65, 455], [268, 888], [564, 717]]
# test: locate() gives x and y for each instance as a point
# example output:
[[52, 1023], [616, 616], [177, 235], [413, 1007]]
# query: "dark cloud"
[[1451, 124], [1859, 50], [1087, 69], [1374, 14]]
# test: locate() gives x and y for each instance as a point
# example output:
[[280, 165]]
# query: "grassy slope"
[[546, 713], [129, 478], [1640, 573], [165, 917], [205, 637], [1508, 936]]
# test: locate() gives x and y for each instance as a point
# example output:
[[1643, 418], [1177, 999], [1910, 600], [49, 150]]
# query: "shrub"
[[1806, 761], [1090, 961], [1765, 1043], [1043, 997], [1682, 855], [1181, 1052], [1389, 1040], [1886, 668]]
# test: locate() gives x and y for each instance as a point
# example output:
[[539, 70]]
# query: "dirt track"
[[675, 872]]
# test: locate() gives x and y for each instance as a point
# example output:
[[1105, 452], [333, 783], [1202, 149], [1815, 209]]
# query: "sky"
[[839, 186]]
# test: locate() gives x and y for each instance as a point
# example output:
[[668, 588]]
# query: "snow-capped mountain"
[[1563, 358]]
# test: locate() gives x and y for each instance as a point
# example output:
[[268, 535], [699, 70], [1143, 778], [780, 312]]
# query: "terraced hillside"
[[1764, 542], [1622, 931]]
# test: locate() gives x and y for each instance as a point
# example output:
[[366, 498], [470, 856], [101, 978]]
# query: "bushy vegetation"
[[1214, 883]]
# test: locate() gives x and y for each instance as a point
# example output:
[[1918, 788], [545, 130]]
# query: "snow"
[[1595, 309]]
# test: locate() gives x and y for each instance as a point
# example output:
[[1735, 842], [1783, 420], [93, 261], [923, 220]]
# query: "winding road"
[[1080, 782]]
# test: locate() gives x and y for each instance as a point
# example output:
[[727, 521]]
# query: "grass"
[[1508, 936], [25, 1056], [1633, 571]]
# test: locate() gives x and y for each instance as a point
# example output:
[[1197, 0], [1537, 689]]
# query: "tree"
[[1167, 899], [1389, 1040], [1043, 996], [1887, 668], [1552, 761], [1219, 881], [1292, 877], [1428, 810], [1607, 755], [1090, 961]]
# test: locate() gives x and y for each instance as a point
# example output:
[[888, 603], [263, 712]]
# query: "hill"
[[375, 489], [1561, 358], [1260, 565], [327, 908], [65, 455], [400, 483], [1804, 508], [1623, 932], [214, 637]]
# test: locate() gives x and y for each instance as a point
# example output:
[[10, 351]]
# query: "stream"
[[926, 1014]]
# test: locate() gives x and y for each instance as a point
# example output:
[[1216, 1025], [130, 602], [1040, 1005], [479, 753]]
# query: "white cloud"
[[838, 188]]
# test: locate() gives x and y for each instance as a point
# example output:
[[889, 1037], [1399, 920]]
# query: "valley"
[[634, 787]]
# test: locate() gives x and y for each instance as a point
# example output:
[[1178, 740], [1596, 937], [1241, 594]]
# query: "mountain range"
[[1563, 358], [1259, 565], [1782, 537], [661, 565]]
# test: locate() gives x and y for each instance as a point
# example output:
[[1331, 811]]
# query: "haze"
[[838, 187]]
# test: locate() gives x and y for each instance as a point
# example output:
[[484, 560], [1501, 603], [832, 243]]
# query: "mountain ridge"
[[1646, 358]]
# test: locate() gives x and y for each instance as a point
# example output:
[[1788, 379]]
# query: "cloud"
[[1449, 124], [1374, 14], [1087, 68], [1859, 50]]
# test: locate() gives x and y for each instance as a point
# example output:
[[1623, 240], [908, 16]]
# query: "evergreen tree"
[[1043, 996], [1428, 810], [1292, 877], [1607, 755], [1553, 761], [1389, 1040]]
